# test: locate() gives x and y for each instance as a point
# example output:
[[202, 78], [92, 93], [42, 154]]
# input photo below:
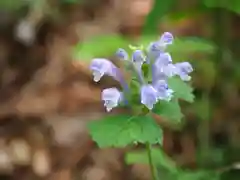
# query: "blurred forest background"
[[47, 95]]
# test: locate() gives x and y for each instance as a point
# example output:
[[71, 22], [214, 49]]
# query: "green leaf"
[[100, 46], [159, 159], [123, 130], [181, 89], [170, 110]]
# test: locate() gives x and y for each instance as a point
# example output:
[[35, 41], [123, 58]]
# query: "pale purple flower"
[[183, 69], [138, 57], [163, 91], [169, 70], [166, 38], [122, 54], [101, 67], [154, 50], [163, 68], [148, 96], [163, 59], [111, 97]]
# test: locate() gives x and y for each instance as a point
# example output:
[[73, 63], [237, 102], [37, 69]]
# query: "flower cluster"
[[161, 66]]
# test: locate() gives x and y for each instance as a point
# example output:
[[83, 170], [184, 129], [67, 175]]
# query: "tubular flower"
[[166, 38], [148, 96], [111, 97], [122, 54], [138, 57], [163, 92], [150, 91], [183, 69], [101, 67], [163, 68]]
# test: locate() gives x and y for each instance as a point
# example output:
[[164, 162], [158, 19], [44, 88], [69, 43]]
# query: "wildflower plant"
[[155, 87]]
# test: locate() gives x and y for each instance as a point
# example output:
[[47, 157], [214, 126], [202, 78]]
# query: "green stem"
[[152, 167]]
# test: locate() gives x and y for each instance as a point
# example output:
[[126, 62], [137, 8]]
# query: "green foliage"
[[122, 130], [191, 45], [170, 110], [181, 89], [158, 156], [233, 5], [167, 168], [101, 46]]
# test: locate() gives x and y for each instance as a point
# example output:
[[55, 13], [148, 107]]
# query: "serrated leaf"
[[123, 130], [158, 156], [181, 89], [170, 110]]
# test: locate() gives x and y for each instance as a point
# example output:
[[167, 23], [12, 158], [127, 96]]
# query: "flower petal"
[[122, 54], [163, 68], [100, 67], [148, 96], [166, 38], [163, 92], [154, 50], [111, 97], [183, 69], [163, 59], [138, 57]]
